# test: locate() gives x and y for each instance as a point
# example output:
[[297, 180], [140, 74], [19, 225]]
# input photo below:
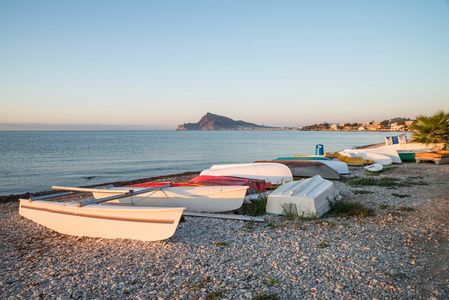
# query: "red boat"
[[255, 185]]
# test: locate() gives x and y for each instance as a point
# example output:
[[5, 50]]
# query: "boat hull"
[[438, 157], [307, 168], [418, 147], [308, 197], [373, 154], [375, 157], [272, 173], [194, 198], [255, 185], [407, 156], [374, 168], [302, 157], [104, 221]]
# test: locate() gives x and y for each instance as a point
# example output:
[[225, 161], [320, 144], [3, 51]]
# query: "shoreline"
[[400, 253], [174, 177]]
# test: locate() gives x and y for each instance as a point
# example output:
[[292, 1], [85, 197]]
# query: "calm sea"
[[34, 161]]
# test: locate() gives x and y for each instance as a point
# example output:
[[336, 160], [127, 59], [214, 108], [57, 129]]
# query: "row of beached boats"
[[151, 211]]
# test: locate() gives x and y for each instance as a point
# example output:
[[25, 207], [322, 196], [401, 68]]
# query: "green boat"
[[407, 156]]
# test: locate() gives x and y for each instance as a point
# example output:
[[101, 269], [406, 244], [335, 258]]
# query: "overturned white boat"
[[209, 199], [374, 168], [383, 155], [274, 173], [104, 221], [418, 147], [307, 197]]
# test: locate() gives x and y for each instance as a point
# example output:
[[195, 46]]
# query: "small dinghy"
[[375, 168], [349, 160], [307, 197], [210, 199], [307, 168], [273, 173], [373, 154], [102, 220], [303, 157], [339, 166], [375, 157]]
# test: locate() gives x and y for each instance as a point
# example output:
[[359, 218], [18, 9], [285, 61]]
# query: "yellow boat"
[[355, 161]]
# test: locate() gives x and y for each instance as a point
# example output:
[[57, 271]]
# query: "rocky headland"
[[215, 122]]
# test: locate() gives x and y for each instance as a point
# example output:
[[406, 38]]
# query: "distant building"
[[374, 126]]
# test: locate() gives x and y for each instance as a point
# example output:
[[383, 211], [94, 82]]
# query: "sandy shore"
[[400, 253]]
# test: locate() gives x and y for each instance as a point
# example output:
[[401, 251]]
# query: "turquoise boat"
[[303, 157]]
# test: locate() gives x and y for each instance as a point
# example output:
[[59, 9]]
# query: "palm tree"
[[433, 129]]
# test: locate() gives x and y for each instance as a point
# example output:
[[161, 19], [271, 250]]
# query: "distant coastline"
[[213, 122], [216, 122], [77, 127]]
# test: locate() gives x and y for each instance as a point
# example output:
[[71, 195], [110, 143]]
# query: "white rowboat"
[[104, 221], [418, 147], [270, 172], [374, 168], [210, 199], [307, 197], [373, 154], [339, 166]]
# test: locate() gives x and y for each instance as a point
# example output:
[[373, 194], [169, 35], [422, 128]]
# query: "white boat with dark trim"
[[102, 220]]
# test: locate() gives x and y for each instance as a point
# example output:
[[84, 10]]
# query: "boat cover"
[[255, 185]]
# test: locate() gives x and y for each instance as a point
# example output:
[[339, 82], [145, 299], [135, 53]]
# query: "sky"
[[277, 63]]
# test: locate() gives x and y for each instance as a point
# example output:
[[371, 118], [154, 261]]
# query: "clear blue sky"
[[278, 63]]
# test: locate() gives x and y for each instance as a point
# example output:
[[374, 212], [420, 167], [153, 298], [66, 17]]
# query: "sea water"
[[34, 161]]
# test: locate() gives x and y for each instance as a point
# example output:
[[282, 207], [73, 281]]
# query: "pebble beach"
[[399, 253]]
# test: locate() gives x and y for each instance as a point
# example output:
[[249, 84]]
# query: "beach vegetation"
[[434, 129], [384, 206], [411, 181], [372, 174], [323, 244], [362, 192], [214, 295], [400, 195], [395, 276], [406, 208], [266, 297], [349, 209], [390, 168], [221, 244], [257, 207], [250, 225], [384, 181]]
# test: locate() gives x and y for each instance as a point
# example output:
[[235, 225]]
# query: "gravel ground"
[[400, 253]]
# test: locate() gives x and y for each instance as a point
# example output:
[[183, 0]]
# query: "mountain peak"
[[212, 121]]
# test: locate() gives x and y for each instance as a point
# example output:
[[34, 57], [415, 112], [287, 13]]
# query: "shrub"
[[257, 207], [349, 209]]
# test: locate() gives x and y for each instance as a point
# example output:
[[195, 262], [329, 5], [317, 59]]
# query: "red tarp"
[[257, 184], [150, 184]]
